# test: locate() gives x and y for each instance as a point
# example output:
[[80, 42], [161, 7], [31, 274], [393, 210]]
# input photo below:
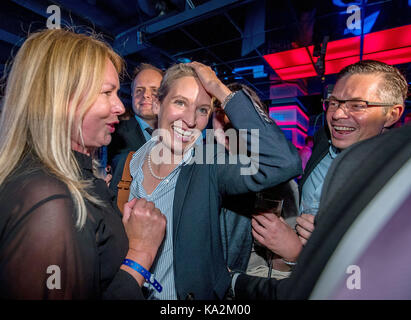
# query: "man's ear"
[[393, 115]]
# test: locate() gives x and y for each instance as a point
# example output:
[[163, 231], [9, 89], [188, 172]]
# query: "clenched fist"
[[145, 226]]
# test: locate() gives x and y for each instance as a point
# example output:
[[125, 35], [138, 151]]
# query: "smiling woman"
[[60, 105], [191, 261], [183, 113]]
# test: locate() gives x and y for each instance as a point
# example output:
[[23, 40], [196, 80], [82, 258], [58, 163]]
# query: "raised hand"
[[210, 81]]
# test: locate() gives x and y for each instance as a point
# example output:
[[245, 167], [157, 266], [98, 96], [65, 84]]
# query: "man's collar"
[[142, 123], [333, 151]]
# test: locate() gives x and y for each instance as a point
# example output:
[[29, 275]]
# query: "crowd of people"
[[182, 216]]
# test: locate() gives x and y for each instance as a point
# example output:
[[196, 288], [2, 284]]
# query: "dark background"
[[215, 32]]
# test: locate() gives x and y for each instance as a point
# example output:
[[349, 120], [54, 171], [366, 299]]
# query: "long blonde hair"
[[54, 74]]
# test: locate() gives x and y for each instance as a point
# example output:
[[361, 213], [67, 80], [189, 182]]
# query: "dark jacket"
[[353, 180], [235, 221], [127, 137], [199, 266], [37, 230]]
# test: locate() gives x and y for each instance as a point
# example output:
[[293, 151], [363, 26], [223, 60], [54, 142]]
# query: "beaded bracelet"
[[228, 98]]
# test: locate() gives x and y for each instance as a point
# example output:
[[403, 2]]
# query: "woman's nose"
[[118, 107]]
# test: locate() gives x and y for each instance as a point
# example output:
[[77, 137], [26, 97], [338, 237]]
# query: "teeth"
[[182, 132], [344, 128]]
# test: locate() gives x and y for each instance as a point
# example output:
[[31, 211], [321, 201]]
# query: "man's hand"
[[275, 234], [304, 227]]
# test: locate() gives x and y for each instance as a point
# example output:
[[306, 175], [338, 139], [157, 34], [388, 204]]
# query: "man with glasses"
[[367, 99]]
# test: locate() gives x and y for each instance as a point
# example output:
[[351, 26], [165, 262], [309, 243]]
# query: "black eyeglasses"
[[352, 105]]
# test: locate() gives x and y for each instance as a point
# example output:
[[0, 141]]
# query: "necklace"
[[151, 169]]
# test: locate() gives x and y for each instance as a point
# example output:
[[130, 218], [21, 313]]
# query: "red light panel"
[[288, 58], [334, 66], [290, 73], [343, 48], [387, 39], [391, 46], [311, 50], [396, 56]]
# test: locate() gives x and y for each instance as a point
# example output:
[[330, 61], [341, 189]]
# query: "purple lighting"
[[289, 115], [296, 136], [293, 121]]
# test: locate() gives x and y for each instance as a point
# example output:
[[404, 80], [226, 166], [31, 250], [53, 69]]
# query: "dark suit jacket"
[[353, 179], [199, 266], [127, 137]]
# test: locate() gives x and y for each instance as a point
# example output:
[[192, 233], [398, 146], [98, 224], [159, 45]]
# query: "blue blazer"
[[199, 266]]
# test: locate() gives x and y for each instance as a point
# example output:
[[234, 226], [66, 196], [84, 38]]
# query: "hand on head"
[[210, 81]]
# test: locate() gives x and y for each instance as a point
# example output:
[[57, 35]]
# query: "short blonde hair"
[[52, 71], [173, 73]]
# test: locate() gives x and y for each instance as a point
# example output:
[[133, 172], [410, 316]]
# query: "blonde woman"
[[60, 236], [170, 171]]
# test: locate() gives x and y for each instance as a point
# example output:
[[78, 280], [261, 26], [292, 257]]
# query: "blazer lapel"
[[181, 191], [139, 137], [319, 151]]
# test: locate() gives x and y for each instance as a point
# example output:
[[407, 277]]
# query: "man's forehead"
[[358, 86], [148, 77]]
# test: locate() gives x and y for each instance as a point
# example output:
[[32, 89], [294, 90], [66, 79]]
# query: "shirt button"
[[167, 181]]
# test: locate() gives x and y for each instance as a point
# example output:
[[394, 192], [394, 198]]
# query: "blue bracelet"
[[145, 273]]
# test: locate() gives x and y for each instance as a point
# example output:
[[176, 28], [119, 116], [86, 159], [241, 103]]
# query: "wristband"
[[289, 263], [145, 273]]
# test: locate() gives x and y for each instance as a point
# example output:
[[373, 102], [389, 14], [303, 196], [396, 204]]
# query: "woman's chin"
[[178, 149]]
